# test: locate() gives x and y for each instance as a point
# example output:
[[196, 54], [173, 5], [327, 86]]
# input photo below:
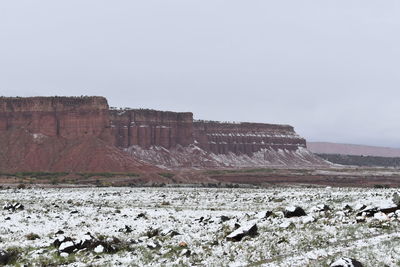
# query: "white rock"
[[308, 219], [291, 208], [346, 262], [66, 245], [99, 249], [249, 228], [359, 206], [381, 216], [286, 224]]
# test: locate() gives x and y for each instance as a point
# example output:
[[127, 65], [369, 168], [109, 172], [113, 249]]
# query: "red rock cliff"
[[245, 138], [83, 134], [151, 128], [60, 134], [67, 117]]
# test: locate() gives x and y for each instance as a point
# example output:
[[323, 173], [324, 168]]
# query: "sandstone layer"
[[245, 138], [146, 128]]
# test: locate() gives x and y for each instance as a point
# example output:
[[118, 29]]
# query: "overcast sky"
[[329, 68]]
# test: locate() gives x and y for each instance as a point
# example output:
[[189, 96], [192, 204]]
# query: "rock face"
[[59, 134], [245, 138], [147, 128], [67, 117], [84, 134]]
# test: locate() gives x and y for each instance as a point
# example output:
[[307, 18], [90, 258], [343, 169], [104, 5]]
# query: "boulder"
[[169, 232], [64, 254], [381, 216], [248, 229], [126, 229], [308, 219], [224, 218], [294, 212], [67, 247], [370, 211], [153, 245], [86, 241], [287, 225], [99, 249], [360, 206], [185, 252], [346, 262], [347, 207], [4, 257], [60, 239], [320, 207], [182, 244], [263, 214], [13, 206]]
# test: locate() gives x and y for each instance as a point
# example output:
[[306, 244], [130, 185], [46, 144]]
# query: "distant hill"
[[355, 150]]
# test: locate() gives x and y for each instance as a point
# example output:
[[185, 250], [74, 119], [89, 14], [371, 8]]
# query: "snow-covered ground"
[[189, 226]]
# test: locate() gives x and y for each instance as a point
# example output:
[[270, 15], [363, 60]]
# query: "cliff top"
[[49, 103], [232, 125]]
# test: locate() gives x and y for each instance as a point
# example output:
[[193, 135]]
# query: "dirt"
[[340, 177]]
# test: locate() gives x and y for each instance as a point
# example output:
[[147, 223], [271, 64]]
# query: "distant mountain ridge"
[[350, 149]]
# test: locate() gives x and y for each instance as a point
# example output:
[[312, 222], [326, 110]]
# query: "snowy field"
[[198, 227]]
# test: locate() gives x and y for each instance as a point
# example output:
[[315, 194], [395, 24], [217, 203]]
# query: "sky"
[[329, 68]]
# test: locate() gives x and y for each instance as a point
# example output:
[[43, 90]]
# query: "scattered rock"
[[86, 241], [320, 207], [308, 219], [294, 212], [224, 218], [126, 229], [287, 225], [347, 207], [346, 262], [60, 239], [99, 249], [183, 244], [359, 206], [248, 229], [204, 220], [381, 216], [67, 247], [153, 245], [64, 254], [185, 252], [169, 232], [13, 206], [370, 211], [360, 219], [4, 257], [152, 232], [141, 215], [263, 214]]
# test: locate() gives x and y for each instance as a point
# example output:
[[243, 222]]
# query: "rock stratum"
[[83, 134]]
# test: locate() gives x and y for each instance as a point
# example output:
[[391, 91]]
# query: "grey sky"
[[329, 68]]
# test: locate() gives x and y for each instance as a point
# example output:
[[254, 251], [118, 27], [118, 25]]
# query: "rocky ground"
[[278, 226]]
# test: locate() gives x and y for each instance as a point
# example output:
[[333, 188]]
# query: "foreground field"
[[188, 226]]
